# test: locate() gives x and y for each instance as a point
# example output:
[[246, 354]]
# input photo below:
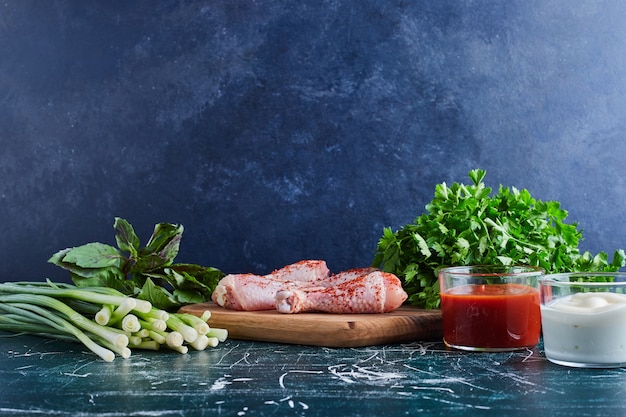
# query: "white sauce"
[[588, 329]]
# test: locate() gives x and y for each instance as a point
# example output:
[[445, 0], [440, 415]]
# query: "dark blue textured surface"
[[239, 378], [276, 131]]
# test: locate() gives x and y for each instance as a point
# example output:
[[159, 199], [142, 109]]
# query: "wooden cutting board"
[[406, 324]]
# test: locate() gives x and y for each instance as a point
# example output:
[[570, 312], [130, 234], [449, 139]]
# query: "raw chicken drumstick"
[[308, 286], [249, 292], [373, 292]]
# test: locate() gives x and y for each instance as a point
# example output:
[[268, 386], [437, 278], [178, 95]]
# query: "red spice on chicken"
[[250, 292], [308, 286], [373, 292]]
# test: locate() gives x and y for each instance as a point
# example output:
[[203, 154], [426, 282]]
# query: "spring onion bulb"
[[155, 324], [130, 323], [103, 316], [219, 334], [180, 349], [143, 333], [174, 339], [200, 343], [188, 333], [196, 322], [123, 309]]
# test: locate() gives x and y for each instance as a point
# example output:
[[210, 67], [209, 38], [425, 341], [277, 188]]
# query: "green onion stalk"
[[103, 319]]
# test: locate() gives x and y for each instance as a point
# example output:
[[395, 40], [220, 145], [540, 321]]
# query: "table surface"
[[41, 376]]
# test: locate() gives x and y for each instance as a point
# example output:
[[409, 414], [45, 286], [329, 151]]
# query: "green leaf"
[[505, 260], [619, 260], [105, 277], [149, 272], [477, 176], [125, 237], [93, 255], [159, 296], [191, 276], [466, 224], [57, 258], [163, 235], [164, 242], [147, 263], [421, 243], [483, 244], [188, 297]]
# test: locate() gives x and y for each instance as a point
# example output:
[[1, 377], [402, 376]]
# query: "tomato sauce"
[[495, 316]]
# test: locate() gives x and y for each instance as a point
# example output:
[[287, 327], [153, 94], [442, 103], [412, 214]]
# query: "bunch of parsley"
[[148, 273], [466, 225]]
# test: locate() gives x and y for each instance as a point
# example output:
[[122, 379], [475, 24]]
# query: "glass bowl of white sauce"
[[583, 318]]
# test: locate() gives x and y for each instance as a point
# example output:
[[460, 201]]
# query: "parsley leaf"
[[469, 225]]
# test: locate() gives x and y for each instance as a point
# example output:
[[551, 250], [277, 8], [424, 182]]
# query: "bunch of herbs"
[[467, 225], [148, 273]]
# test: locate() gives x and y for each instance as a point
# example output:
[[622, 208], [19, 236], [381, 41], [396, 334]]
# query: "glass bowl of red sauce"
[[491, 308]]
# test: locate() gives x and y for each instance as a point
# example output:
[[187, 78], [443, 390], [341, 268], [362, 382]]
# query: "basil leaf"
[[159, 296], [164, 242], [125, 237], [148, 272], [93, 255]]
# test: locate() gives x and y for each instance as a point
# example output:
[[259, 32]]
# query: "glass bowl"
[[584, 318], [490, 307]]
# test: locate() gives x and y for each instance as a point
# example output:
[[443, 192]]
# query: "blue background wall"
[[280, 130]]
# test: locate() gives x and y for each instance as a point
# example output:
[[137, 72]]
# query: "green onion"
[[29, 301], [180, 349], [58, 323], [153, 324], [125, 307], [189, 333], [197, 323], [154, 314], [219, 334], [103, 316], [99, 295], [104, 320], [130, 323], [202, 342], [174, 339], [143, 333], [157, 337], [148, 345]]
